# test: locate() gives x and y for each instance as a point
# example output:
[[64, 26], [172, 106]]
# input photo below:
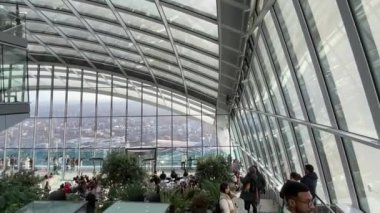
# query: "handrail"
[[328, 207]]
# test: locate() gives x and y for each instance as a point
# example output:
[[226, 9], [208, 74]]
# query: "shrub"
[[212, 168], [18, 190]]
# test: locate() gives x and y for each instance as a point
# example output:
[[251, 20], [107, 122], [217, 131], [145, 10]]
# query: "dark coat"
[[310, 180]]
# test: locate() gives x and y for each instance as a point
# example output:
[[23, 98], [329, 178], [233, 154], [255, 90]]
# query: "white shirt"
[[226, 205]]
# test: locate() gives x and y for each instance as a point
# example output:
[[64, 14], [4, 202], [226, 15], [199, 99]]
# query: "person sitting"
[[162, 176], [225, 200], [298, 198], [174, 175], [58, 194]]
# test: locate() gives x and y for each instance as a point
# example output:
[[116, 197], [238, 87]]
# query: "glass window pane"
[[268, 73], [72, 133], [149, 127], [133, 131], [195, 40], [149, 101], [200, 68], [103, 132], [104, 102], [105, 27], [89, 46], [197, 56], [144, 24], [44, 103], [59, 103], [303, 65], [180, 131], [88, 132], [208, 6], [271, 151], [152, 40], [119, 101], [290, 146], [61, 17], [158, 53], [134, 102], [52, 39], [330, 157], [261, 89], [164, 131], [93, 10], [118, 132], [175, 16], [194, 127], [57, 133], [282, 69], [209, 130], [67, 51], [307, 154], [262, 142], [42, 133], [142, 6], [164, 103], [365, 174], [88, 103], [335, 52], [77, 33], [39, 27], [366, 12]]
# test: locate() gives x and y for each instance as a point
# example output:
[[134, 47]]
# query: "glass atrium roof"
[[171, 43]]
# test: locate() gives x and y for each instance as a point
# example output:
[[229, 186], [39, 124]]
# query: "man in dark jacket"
[[253, 183], [310, 179]]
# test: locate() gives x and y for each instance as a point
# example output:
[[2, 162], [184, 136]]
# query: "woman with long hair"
[[225, 200]]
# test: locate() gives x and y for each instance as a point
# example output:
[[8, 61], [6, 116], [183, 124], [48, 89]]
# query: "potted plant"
[[200, 202]]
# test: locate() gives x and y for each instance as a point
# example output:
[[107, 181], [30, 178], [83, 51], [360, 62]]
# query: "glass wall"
[[80, 115], [13, 81], [309, 94]]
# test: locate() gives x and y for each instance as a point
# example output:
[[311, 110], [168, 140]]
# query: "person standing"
[[183, 161], [310, 179], [190, 162], [250, 191]]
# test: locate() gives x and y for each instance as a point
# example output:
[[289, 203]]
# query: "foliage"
[[178, 199], [19, 189], [212, 168], [201, 200], [120, 169], [213, 189], [132, 192]]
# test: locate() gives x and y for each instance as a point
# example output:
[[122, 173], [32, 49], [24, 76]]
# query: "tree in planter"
[[120, 169], [200, 202], [213, 168], [18, 190], [122, 179], [210, 172]]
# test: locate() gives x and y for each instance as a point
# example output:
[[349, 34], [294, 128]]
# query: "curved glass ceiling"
[[130, 37]]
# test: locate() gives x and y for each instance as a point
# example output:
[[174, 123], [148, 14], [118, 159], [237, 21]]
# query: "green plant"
[[132, 192], [213, 189], [212, 168], [120, 169], [18, 190], [201, 200]]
